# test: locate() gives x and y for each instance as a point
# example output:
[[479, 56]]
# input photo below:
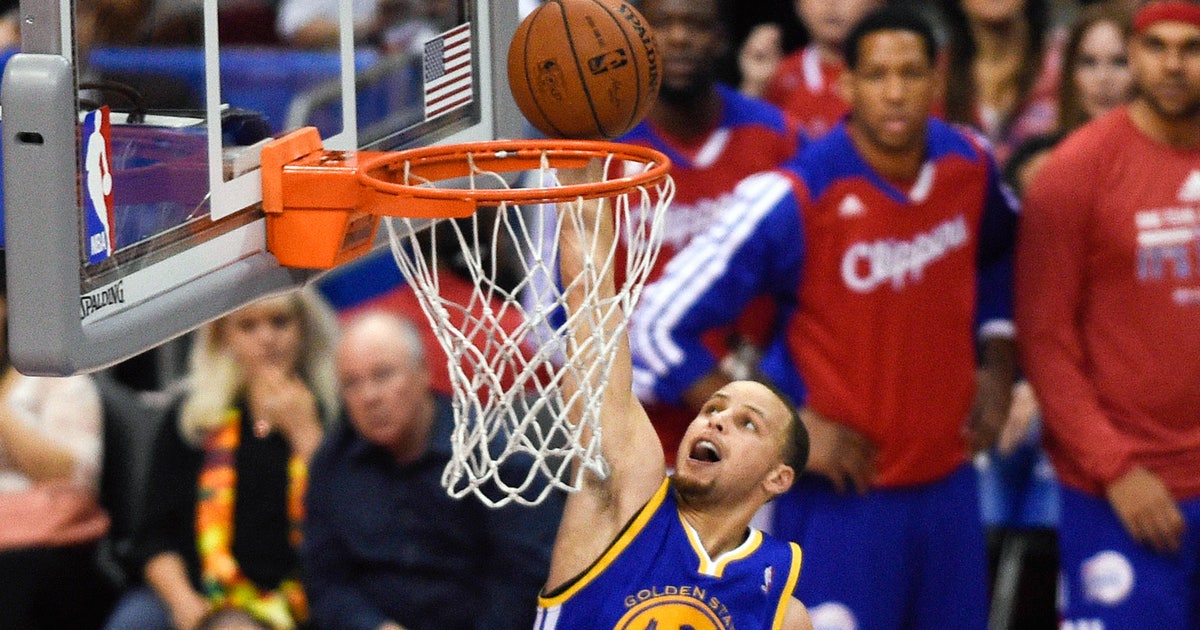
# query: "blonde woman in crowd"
[[233, 456]]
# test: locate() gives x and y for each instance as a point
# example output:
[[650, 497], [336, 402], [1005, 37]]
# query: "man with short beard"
[[1108, 305]]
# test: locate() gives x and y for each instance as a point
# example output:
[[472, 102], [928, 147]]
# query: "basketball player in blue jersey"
[[880, 243], [637, 549]]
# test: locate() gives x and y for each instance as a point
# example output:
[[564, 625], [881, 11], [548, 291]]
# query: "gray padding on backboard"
[[42, 220], [38, 99], [507, 121]]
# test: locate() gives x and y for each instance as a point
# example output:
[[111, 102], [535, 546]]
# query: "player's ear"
[[779, 479]]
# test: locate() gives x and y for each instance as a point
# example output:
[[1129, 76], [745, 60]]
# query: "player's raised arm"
[[594, 515]]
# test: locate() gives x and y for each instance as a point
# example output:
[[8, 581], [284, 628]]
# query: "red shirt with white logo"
[[880, 284], [1108, 306]]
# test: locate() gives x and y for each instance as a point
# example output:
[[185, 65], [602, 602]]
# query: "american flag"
[[448, 80]]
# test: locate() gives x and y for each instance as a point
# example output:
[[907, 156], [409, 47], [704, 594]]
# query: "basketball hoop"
[[508, 404]]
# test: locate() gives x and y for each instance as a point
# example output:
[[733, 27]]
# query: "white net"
[[515, 437]]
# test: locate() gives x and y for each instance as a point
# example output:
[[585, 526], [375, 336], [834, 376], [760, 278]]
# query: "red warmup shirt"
[[805, 87], [880, 283], [1108, 306]]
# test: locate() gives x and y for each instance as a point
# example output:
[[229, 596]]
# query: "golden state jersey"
[[657, 575]]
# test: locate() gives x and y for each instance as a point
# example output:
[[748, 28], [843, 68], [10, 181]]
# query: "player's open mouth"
[[705, 451]]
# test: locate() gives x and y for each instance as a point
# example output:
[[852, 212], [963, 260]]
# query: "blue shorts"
[[910, 558], [1111, 581]]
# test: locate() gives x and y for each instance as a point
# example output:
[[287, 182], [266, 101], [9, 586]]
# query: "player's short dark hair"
[[890, 18], [795, 447]]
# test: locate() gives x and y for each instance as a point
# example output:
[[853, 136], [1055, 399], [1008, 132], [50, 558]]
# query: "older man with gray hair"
[[385, 546]]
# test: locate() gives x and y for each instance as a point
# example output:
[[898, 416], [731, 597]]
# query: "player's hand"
[[839, 452], [1147, 510], [1021, 412], [990, 412]]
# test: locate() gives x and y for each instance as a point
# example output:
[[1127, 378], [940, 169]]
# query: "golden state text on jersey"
[[657, 576]]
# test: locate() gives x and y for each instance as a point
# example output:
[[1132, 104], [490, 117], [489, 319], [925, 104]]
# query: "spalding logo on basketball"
[[584, 68]]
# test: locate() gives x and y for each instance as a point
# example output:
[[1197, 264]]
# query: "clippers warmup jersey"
[[879, 282], [658, 575]]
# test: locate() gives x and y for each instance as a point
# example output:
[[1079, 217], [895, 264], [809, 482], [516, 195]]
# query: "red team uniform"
[[1108, 309], [804, 86], [880, 283], [750, 137]]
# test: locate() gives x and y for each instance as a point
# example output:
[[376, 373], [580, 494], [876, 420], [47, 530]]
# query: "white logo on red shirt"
[[851, 206], [866, 266], [1190, 191]]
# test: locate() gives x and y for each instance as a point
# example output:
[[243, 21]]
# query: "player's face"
[[892, 89], [690, 40], [384, 390], [734, 444], [1165, 59], [264, 335], [829, 21], [1102, 69]]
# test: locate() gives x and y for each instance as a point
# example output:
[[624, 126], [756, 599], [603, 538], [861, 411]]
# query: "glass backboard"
[[132, 187]]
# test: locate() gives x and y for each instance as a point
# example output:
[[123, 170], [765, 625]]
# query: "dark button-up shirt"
[[386, 542]]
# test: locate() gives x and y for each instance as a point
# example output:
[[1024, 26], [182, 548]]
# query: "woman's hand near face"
[[280, 401]]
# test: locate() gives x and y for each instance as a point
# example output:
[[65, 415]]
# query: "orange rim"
[[439, 163]]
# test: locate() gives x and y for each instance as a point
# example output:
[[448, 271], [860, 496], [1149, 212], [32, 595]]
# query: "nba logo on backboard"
[[97, 186]]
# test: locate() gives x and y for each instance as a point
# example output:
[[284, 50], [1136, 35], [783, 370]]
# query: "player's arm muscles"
[[594, 515]]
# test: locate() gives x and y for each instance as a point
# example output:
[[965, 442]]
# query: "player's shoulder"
[[1077, 168], [768, 189], [825, 161], [779, 546], [951, 139], [1100, 137]]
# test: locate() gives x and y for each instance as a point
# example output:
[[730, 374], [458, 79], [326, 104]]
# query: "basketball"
[[584, 69]]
